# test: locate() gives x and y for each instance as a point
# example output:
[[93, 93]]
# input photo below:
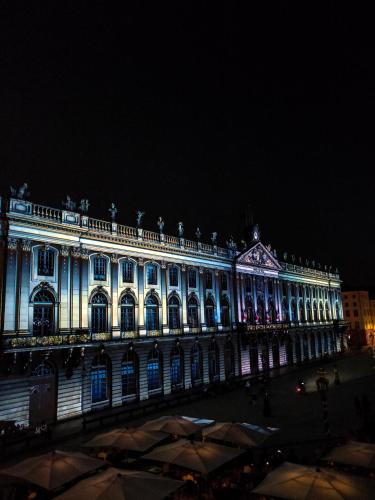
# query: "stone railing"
[[307, 270], [97, 226]]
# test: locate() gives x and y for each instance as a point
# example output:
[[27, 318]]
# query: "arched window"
[[152, 274], [127, 313], [224, 281], [173, 313], [210, 312], [177, 368], [43, 313], [229, 359], [225, 312], [250, 317], [260, 310], [293, 308], [100, 268], [154, 372], [315, 312], [321, 311], [99, 313], [337, 310], [193, 312], [192, 278], [173, 276], [101, 379], [196, 365], [213, 362], [301, 311], [285, 310], [271, 311], [129, 374], [308, 311], [152, 313]]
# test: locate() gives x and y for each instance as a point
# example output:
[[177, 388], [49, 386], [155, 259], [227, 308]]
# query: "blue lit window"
[[210, 313], [196, 365], [152, 274], [213, 362], [152, 313], [193, 312], [100, 268], [46, 261], [128, 272], [129, 374], [99, 313], [208, 276], [225, 317], [100, 379], [154, 377], [176, 368], [192, 277], [173, 276], [43, 313]]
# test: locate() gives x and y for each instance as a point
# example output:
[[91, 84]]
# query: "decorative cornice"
[[12, 243], [84, 253], [65, 250], [76, 252], [114, 258], [26, 245]]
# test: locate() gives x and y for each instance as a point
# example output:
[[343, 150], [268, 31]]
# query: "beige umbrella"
[[53, 469], [127, 439], [194, 455], [354, 453], [172, 424], [245, 435], [115, 484], [299, 482]]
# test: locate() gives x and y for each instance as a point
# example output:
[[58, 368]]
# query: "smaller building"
[[359, 312]]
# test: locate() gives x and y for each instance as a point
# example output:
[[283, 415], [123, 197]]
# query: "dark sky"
[[194, 112]]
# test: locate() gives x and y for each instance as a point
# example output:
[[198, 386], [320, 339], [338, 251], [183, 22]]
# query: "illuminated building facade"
[[96, 314], [359, 314]]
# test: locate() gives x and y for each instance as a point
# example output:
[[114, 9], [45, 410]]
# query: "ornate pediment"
[[259, 256]]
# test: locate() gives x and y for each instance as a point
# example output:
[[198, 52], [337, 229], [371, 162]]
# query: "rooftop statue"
[[214, 238], [198, 233], [161, 224], [84, 206], [21, 193], [180, 229], [113, 211], [69, 204], [140, 214]]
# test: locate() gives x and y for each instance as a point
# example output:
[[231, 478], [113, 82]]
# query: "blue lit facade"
[[96, 314]]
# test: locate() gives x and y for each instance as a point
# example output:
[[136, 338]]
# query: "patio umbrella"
[[354, 453], [245, 435], [299, 482], [53, 469], [171, 424], [115, 484], [127, 439], [194, 455]]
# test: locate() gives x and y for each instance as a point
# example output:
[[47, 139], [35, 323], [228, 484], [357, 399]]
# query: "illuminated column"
[[233, 299], [75, 289], [84, 288], [24, 291], [202, 298], [10, 287], [265, 284], [278, 293], [185, 325], [304, 301], [218, 302], [164, 310], [254, 290], [289, 299], [64, 283], [141, 298], [243, 295], [239, 296], [114, 293]]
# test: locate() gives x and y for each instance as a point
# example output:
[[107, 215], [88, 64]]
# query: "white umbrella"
[[115, 484], [244, 435], [127, 439], [53, 469], [172, 424], [299, 482], [194, 455], [354, 453]]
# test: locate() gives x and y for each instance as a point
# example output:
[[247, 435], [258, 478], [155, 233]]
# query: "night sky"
[[194, 113]]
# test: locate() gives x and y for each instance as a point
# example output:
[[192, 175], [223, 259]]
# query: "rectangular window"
[[100, 268], [209, 280], [247, 284], [224, 281], [45, 262], [152, 275], [355, 312], [192, 278], [128, 272], [176, 371], [173, 276], [99, 384], [347, 312], [129, 382], [153, 375]]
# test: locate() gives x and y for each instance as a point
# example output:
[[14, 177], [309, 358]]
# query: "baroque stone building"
[[96, 314]]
